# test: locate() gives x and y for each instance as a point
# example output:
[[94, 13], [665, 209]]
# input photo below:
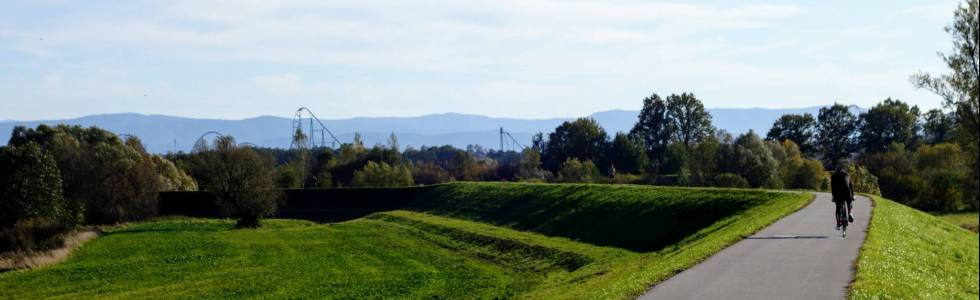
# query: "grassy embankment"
[[968, 220], [910, 254], [464, 240]]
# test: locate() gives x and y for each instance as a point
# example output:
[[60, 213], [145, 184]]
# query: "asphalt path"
[[800, 256]]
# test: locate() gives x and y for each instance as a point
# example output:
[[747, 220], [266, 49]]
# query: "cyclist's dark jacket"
[[840, 185]]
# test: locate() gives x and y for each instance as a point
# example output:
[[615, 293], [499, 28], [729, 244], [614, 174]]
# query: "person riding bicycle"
[[843, 192]]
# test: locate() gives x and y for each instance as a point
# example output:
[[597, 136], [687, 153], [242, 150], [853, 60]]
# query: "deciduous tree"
[[240, 179], [30, 186], [937, 127], [801, 129], [626, 154], [690, 122], [891, 121], [582, 139], [654, 128], [835, 133], [960, 88]]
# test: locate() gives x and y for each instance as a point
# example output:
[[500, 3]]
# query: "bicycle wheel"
[[842, 220]]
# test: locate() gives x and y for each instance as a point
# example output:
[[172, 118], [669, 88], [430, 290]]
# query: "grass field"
[[286, 258], [465, 240], [968, 220], [910, 254]]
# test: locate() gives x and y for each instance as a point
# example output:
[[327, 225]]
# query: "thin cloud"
[[368, 57]]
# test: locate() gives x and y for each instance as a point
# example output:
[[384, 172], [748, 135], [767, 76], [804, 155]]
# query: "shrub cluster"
[[933, 177], [58, 177], [382, 174]]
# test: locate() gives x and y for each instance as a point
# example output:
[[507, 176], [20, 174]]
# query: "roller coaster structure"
[[508, 140], [316, 133], [201, 144]]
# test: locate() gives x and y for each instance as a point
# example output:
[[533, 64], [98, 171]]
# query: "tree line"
[[55, 178], [58, 177]]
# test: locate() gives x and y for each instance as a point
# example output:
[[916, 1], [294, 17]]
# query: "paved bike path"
[[798, 257]]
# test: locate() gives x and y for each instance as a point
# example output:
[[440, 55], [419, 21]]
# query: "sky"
[[524, 59]]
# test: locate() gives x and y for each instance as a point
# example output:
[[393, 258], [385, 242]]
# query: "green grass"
[[287, 258], [968, 220], [638, 218], [465, 240], [910, 254]]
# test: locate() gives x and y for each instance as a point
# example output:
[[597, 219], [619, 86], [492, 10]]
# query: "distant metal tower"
[[508, 140], [316, 135]]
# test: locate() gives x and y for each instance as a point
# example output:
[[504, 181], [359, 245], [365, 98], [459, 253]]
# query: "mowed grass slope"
[[638, 218], [464, 240], [968, 220], [910, 254], [286, 258], [659, 230]]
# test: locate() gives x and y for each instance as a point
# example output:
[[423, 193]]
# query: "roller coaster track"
[[508, 140], [316, 133], [201, 144]]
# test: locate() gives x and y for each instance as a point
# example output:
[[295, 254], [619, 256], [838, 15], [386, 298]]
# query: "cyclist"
[[843, 193]]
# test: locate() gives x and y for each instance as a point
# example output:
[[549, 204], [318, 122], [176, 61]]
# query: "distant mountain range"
[[161, 133]]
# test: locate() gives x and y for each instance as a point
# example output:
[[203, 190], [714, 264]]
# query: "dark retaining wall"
[[321, 205]]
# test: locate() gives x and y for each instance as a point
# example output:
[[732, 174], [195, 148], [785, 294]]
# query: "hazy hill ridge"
[[159, 132]]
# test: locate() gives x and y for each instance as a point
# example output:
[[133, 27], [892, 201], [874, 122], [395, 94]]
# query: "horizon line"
[[382, 117]]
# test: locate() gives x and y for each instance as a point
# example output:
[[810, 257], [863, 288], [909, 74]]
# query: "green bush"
[[944, 171], [801, 173], [430, 173], [674, 160], [381, 174], [172, 178], [863, 181], [730, 180], [30, 186], [129, 186], [529, 168], [572, 170], [933, 178], [627, 179], [289, 177], [750, 158], [33, 212]]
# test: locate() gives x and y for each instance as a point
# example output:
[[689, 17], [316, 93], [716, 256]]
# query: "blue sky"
[[528, 59]]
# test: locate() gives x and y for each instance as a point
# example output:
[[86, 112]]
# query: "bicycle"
[[842, 219]]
